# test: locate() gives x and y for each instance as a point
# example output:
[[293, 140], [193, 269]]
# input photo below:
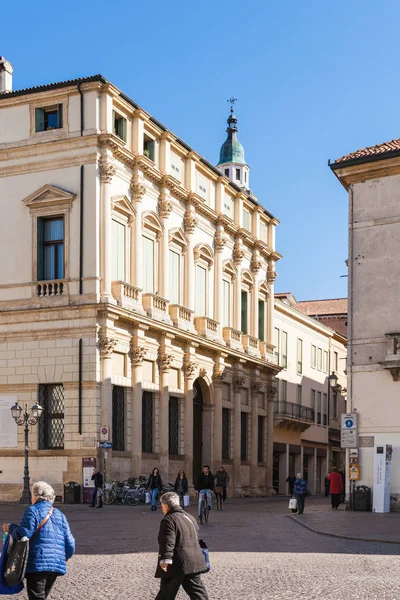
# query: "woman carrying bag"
[[51, 543], [181, 487]]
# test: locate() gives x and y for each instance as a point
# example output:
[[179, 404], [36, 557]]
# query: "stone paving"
[[258, 551]]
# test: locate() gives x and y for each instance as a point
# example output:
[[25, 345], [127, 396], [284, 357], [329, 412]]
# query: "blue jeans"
[[154, 494], [203, 493]]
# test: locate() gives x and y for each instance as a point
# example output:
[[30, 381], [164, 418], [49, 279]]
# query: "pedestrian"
[[327, 485], [204, 487], [97, 477], [336, 487], [181, 487], [154, 484], [221, 482], [290, 480], [300, 492], [180, 559], [50, 546]]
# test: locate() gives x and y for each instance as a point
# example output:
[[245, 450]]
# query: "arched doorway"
[[197, 429]]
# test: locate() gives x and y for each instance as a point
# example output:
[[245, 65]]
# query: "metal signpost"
[[105, 446], [349, 440]]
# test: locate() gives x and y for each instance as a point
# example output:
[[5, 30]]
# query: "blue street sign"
[[349, 423], [105, 445]]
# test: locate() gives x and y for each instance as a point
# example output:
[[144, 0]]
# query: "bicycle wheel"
[[206, 511], [109, 497], [132, 498]]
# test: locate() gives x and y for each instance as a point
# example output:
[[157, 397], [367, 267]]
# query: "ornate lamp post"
[[22, 416]]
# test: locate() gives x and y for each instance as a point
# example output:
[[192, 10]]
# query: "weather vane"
[[232, 101]]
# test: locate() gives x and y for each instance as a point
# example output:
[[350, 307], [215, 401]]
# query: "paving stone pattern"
[[257, 551]]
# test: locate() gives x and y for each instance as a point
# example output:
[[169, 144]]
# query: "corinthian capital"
[[137, 191], [137, 354], [106, 346], [219, 240], [255, 264], [238, 383], [255, 387], [190, 223], [271, 273], [164, 206], [272, 386], [189, 369], [237, 253], [107, 171], [165, 361]]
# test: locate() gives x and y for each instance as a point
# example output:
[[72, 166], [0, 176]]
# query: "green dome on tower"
[[232, 150]]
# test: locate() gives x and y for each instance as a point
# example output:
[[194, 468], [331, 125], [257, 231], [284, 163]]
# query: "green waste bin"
[[72, 493]]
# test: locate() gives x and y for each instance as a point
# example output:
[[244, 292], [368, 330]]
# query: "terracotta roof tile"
[[333, 306], [371, 151]]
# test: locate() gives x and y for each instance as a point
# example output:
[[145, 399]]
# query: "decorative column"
[[190, 223], [238, 255], [107, 171], [165, 360], [106, 347], [137, 352], [255, 266], [271, 276], [218, 379], [255, 388], [137, 191], [238, 382], [164, 210], [271, 394], [189, 368], [219, 241]]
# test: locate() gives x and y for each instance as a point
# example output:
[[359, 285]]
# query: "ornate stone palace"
[[136, 293]]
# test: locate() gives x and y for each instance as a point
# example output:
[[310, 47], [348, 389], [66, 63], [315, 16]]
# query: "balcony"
[[208, 328], [289, 415], [182, 317], [156, 307], [251, 345], [267, 352], [47, 289], [232, 337], [128, 296]]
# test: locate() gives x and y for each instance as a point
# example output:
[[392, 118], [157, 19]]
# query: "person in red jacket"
[[336, 487]]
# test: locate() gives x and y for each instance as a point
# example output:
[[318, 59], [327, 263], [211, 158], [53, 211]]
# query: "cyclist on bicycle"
[[204, 486]]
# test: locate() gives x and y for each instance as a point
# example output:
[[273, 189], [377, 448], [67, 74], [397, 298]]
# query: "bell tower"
[[232, 163]]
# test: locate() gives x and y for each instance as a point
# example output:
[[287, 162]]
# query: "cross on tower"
[[232, 101]]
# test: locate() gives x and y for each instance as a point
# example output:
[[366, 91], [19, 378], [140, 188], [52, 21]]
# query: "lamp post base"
[[25, 497]]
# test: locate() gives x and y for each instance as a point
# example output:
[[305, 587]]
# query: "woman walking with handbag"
[[181, 487], [51, 543], [154, 485], [221, 482]]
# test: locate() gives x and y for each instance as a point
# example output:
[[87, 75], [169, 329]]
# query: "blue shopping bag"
[[4, 588]]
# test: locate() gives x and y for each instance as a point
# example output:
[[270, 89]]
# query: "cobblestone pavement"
[[257, 552]]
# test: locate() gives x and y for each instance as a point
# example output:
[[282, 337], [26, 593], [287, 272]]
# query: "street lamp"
[[23, 417], [333, 379]]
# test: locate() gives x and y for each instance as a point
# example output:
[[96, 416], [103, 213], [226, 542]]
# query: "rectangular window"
[[243, 435], [226, 172], [177, 166], [49, 118], [299, 356], [50, 249], [314, 357], [313, 399], [226, 303], [202, 185], [149, 148], [226, 433], [147, 422], [263, 232], [244, 313], [319, 407], [245, 176], [325, 366], [325, 410], [228, 206], [174, 277], [148, 265], [237, 174], [319, 359], [173, 425], [201, 290], [118, 251], [119, 126], [118, 418], [246, 219], [284, 349], [299, 394], [335, 406], [336, 361], [261, 434], [284, 390], [261, 320], [277, 346], [51, 424]]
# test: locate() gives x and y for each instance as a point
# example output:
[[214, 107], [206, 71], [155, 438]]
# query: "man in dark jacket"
[[97, 477], [180, 559], [204, 486]]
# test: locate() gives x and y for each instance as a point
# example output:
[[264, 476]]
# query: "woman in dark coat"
[[181, 486], [154, 484], [50, 547]]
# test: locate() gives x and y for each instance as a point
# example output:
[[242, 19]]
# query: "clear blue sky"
[[314, 80]]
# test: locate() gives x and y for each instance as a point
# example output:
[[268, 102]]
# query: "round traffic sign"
[[348, 423]]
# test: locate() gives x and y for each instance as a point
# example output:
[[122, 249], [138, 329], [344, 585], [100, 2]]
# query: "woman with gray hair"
[[51, 543]]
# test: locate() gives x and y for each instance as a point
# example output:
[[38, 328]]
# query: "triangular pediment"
[[177, 235], [123, 205], [49, 195]]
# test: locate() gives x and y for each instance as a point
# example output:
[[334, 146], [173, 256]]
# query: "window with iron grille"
[[226, 433], [118, 418], [261, 431], [147, 422], [243, 436], [173, 425], [51, 424]]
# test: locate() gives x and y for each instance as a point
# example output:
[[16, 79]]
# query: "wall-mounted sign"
[[104, 434], [366, 441]]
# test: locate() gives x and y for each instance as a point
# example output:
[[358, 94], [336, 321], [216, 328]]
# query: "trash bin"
[[362, 498], [72, 493]]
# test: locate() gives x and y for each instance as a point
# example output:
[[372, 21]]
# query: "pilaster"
[[255, 389]]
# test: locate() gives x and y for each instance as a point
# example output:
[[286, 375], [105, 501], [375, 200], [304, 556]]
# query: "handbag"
[[186, 500], [219, 489], [17, 557], [148, 498], [4, 588], [203, 548], [293, 504]]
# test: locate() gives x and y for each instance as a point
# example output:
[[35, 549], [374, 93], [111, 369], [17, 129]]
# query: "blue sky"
[[314, 80]]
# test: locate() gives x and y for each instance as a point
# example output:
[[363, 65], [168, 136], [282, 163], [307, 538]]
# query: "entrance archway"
[[197, 429]]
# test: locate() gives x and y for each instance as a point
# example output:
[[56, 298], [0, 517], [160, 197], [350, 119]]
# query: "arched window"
[[151, 232]]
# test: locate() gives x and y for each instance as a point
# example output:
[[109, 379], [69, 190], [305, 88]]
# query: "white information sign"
[[348, 439], [382, 472], [8, 427], [349, 421]]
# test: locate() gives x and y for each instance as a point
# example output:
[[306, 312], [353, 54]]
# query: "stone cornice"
[[374, 169]]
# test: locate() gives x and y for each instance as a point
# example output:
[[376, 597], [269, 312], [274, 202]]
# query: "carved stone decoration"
[[202, 372], [255, 264], [106, 346], [107, 171], [271, 389], [164, 206], [271, 273], [190, 223], [218, 377], [137, 191], [237, 253], [165, 361], [255, 387], [137, 354], [219, 240], [238, 383], [189, 369]]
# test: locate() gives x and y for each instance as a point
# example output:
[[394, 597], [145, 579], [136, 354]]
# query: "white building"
[[307, 407], [136, 292], [372, 178]]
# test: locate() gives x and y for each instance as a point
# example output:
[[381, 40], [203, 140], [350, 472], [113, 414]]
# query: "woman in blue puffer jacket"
[[50, 547]]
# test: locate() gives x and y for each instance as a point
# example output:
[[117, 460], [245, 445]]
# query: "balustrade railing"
[[295, 411]]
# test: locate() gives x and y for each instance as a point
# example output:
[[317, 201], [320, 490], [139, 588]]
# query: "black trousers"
[[192, 584], [39, 584], [301, 498], [335, 498]]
